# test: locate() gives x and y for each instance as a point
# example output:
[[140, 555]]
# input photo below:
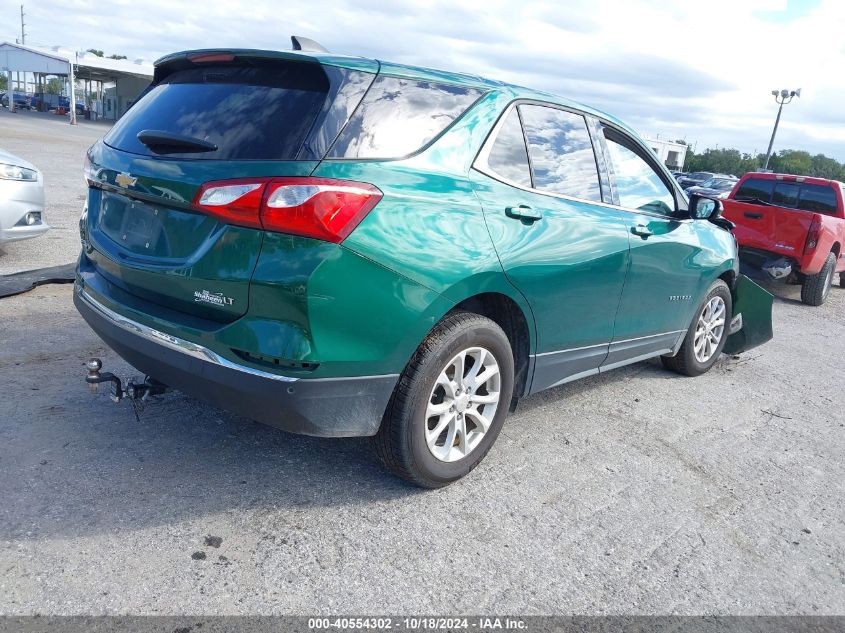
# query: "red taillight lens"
[[317, 207], [233, 201], [813, 235], [322, 208]]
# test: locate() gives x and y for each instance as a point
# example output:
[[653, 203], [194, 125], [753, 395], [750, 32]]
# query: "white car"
[[21, 199]]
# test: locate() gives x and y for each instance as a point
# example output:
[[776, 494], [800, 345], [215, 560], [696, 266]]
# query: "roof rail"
[[307, 44]]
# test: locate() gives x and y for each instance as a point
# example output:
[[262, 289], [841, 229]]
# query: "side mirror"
[[701, 208]]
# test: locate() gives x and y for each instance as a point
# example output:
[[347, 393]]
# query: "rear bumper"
[[326, 407]]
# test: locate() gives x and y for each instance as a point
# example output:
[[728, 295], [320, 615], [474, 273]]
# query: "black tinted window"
[[399, 116], [817, 198], [562, 158], [755, 188], [785, 194], [508, 156], [248, 112]]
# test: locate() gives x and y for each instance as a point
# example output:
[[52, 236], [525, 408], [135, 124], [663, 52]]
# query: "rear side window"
[[755, 188], [400, 116], [562, 158], [249, 112], [508, 156]]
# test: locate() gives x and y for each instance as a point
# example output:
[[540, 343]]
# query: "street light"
[[781, 97]]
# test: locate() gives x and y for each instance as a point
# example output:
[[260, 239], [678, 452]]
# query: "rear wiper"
[[754, 200], [168, 143]]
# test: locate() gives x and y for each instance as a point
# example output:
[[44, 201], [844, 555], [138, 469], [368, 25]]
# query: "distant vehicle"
[[713, 188], [697, 177], [21, 100], [21, 199], [791, 229], [52, 101], [679, 174]]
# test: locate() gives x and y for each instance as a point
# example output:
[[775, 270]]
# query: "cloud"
[[683, 70]]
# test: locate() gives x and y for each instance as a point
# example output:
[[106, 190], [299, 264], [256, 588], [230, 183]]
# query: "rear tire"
[[429, 396], [817, 287], [699, 352]]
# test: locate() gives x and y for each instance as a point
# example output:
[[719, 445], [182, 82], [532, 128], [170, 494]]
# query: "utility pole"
[[23, 25], [781, 97]]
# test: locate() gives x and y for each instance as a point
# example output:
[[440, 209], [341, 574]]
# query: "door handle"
[[753, 216], [642, 230], [524, 212]]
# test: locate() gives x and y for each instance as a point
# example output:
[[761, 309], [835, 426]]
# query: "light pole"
[[781, 97]]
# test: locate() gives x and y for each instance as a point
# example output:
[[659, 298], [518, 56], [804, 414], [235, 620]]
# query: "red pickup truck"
[[790, 228]]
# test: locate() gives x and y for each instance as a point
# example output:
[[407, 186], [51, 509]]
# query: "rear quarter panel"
[[429, 227]]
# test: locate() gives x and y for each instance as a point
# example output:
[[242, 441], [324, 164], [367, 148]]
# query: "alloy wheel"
[[709, 329], [462, 404]]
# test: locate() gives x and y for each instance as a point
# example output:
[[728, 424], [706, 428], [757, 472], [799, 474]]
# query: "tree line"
[[787, 161]]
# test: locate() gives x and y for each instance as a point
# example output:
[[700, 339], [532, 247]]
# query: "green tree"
[[117, 56], [788, 161], [53, 86], [3, 81], [95, 52]]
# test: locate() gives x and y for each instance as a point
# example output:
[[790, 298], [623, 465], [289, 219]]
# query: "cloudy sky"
[[702, 71]]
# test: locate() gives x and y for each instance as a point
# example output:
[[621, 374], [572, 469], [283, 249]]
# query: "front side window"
[[562, 158], [637, 184], [400, 116], [508, 156]]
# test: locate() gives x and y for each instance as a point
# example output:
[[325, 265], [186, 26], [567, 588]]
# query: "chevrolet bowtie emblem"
[[125, 180]]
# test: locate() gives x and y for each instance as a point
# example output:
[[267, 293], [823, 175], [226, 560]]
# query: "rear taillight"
[[322, 208], [813, 235]]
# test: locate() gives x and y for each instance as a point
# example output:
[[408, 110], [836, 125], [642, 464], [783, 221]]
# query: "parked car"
[[791, 229], [713, 188], [22, 101], [364, 248], [696, 178], [21, 199]]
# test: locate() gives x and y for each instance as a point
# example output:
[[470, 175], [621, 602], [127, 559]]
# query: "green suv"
[[340, 246]]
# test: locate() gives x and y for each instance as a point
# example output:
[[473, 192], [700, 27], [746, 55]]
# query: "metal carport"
[[130, 77]]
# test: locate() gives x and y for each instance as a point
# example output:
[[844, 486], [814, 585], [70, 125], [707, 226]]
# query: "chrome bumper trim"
[[172, 342]]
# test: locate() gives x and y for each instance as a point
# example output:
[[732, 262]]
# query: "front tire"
[[450, 402], [816, 287], [706, 336]]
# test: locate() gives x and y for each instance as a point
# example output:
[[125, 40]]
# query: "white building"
[[671, 154]]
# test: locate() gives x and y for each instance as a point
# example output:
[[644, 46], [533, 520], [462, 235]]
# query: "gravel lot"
[[633, 492]]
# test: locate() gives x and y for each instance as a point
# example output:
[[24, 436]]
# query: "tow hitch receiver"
[[132, 390]]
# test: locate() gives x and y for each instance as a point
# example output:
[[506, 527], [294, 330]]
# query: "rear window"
[[817, 198], [755, 188], [400, 116], [793, 195], [249, 112]]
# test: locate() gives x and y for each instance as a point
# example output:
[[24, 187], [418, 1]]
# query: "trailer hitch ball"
[[93, 378]]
